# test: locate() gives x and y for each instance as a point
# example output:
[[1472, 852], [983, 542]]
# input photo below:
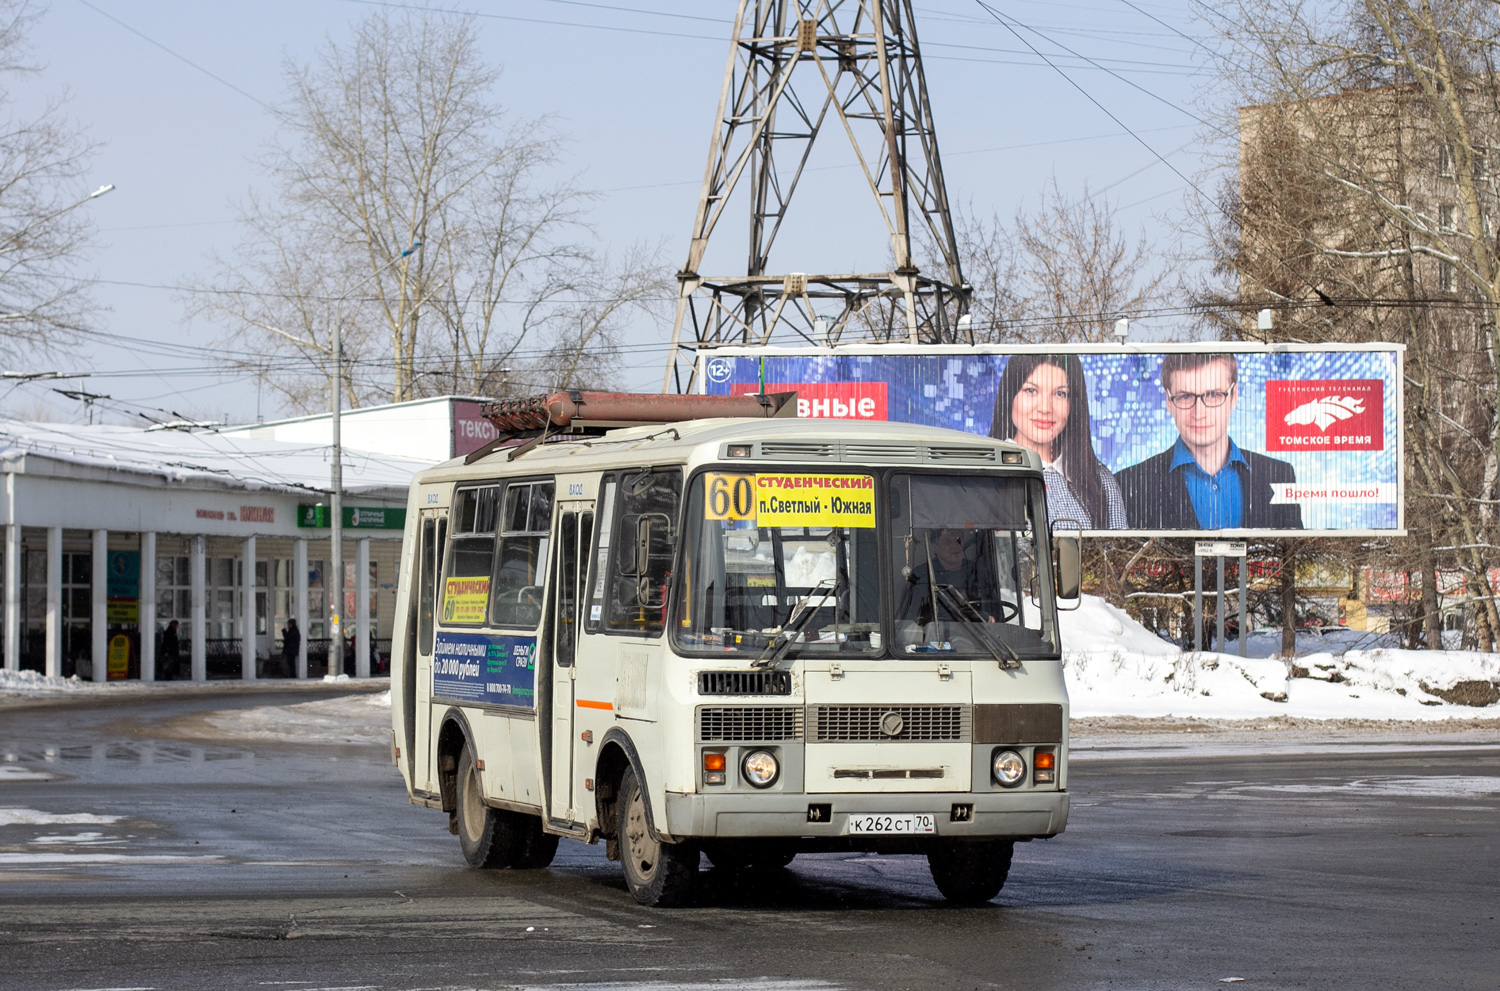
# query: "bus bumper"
[[1024, 814]]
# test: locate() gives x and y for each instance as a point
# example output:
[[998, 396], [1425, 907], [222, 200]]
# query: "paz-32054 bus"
[[690, 626]]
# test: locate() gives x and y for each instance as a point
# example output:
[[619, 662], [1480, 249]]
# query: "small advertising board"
[[485, 668]]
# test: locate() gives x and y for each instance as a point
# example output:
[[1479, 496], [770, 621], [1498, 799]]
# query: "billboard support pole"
[[1220, 605], [1197, 601], [1244, 630]]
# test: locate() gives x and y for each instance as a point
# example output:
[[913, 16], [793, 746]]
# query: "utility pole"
[[336, 497], [793, 68]]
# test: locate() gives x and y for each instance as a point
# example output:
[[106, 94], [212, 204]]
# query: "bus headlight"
[[760, 768], [1008, 767]]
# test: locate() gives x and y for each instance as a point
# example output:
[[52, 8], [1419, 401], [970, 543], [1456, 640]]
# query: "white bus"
[[746, 636]]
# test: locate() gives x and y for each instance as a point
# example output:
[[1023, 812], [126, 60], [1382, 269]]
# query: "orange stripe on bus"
[[586, 704]]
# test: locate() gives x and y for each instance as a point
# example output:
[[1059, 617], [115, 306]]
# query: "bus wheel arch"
[[617, 753], [453, 737]]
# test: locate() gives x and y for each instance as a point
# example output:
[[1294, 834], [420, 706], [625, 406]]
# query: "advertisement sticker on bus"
[[485, 668], [465, 600]]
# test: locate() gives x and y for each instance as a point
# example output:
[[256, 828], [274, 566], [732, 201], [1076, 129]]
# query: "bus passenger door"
[[417, 675], [574, 535]]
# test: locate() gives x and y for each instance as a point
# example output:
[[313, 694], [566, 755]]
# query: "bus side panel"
[[594, 689], [492, 745], [525, 763]]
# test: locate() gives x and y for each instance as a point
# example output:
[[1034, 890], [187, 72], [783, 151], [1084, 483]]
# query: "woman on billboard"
[[1042, 404]]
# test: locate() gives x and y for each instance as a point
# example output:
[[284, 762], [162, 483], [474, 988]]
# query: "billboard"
[[1223, 438]]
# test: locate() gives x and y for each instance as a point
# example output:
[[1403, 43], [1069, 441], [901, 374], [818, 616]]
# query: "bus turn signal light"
[[1044, 763], [713, 769]]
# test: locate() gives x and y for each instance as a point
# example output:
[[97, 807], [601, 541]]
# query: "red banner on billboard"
[[1325, 415], [829, 400]]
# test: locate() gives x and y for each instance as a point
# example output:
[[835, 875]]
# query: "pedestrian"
[[349, 656], [167, 659], [291, 644]]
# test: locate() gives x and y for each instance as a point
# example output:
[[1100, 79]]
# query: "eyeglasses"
[[1187, 400]]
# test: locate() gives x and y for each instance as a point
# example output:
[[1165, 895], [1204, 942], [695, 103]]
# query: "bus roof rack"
[[594, 413]]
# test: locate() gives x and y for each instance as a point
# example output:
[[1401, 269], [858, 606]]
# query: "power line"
[[1142, 141], [180, 57]]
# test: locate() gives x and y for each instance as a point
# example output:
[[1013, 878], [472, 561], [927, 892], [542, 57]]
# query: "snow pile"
[[33, 683], [1116, 667], [32, 817], [342, 720]]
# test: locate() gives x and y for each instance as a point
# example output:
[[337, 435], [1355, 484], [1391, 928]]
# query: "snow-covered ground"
[[352, 719], [1116, 667], [30, 684]]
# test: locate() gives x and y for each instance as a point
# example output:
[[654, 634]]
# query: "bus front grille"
[[749, 723], [858, 723], [744, 683]]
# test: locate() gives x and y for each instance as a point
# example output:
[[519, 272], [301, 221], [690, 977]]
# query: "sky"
[[176, 95]]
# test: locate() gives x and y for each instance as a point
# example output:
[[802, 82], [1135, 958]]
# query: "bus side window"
[[427, 592], [645, 538], [567, 589], [471, 553], [521, 566], [597, 581]]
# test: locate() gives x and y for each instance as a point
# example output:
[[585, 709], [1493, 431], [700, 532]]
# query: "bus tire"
[[534, 847], [659, 875], [970, 872], [486, 837]]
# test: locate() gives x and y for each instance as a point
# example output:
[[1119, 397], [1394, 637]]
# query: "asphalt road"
[[274, 866]]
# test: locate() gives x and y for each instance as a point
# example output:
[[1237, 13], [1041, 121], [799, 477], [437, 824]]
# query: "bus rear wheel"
[[494, 838], [479, 828], [659, 875], [970, 872]]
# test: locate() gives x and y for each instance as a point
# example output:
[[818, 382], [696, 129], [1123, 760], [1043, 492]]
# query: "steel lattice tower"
[[794, 66]]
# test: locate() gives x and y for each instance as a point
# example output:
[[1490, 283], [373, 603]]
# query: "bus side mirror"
[[642, 543], [1067, 560]]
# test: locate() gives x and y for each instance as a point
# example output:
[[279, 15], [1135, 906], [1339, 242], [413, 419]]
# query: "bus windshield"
[[797, 553], [963, 551]]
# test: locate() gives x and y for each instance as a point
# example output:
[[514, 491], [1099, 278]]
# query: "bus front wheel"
[[970, 872], [658, 874]]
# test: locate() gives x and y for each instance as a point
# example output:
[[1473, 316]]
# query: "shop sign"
[[355, 517], [471, 430], [245, 514]]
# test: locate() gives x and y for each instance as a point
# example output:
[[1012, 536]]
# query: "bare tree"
[[390, 139], [1060, 274], [1363, 213], [43, 161]]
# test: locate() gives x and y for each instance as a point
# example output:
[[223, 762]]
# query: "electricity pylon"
[[794, 66]]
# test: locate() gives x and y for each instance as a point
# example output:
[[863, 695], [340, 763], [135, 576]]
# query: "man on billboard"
[[1205, 481]]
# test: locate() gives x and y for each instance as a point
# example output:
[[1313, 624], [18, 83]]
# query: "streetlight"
[[16, 236], [336, 524]]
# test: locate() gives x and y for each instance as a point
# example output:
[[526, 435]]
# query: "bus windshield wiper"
[[960, 608], [801, 614]]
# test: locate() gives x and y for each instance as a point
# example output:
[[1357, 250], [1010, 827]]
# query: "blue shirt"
[[1218, 499]]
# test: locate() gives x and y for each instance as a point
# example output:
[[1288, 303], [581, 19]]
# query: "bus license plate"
[[882, 822]]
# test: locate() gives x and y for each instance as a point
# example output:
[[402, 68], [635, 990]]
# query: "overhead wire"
[[180, 57]]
